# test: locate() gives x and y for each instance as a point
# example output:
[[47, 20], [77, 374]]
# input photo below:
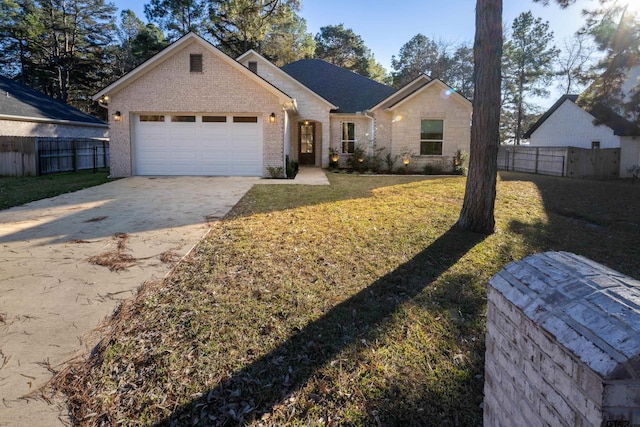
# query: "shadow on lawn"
[[595, 219], [268, 382]]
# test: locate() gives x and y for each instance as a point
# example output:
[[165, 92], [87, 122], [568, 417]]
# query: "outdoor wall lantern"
[[272, 118], [406, 160], [334, 157], [117, 116]]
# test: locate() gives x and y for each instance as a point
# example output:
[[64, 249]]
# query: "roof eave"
[[433, 82], [52, 121]]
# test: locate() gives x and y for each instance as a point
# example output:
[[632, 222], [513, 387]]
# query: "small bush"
[[390, 161], [461, 163], [292, 169], [357, 160], [275, 172]]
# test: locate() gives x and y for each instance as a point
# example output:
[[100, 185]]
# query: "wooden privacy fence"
[[18, 156], [573, 162], [21, 156]]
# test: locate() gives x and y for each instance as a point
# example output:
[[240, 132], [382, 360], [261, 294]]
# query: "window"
[[195, 62], [183, 119], [348, 137], [151, 118], [431, 137], [214, 119], [253, 66], [241, 119], [595, 145]]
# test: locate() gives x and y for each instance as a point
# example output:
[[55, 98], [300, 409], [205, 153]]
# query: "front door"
[[307, 144]]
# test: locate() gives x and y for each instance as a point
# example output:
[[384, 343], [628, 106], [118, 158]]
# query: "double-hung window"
[[348, 137], [431, 137]]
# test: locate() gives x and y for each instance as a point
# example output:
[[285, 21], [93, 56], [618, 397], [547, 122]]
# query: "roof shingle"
[[22, 101], [349, 91]]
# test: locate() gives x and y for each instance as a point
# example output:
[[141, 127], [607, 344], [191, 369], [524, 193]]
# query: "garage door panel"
[[213, 147]]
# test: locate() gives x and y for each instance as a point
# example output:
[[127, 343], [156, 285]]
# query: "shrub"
[[357, 160], [390, 161], [275, 172], [292, 169], [374, 162], [461, 163]]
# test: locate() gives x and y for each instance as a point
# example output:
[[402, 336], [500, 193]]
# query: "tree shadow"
[[249, 393], [593, 218]]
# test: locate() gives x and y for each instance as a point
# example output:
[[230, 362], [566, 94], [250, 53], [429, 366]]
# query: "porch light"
[[306, 122], [360, 159], [334, 157], [406, 160], [272, 118], [117, 116]]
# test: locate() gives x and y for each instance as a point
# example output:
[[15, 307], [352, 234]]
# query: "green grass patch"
[[355, 304], [15, 191]]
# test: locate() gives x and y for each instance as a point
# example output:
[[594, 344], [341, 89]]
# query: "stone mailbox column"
[[563, 344]]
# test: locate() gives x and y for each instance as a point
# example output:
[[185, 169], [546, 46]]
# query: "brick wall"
[[402, 125], [563, 344], [171, 87]]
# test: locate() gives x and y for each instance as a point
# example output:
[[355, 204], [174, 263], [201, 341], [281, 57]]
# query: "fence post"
[[75, 155], [95, 159], [104, 154], [537, 157]]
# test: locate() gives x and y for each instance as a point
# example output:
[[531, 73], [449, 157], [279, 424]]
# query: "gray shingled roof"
[[602, 114], [349, 91], [22, 101]]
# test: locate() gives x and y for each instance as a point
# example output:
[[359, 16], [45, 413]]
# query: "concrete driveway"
[[52, 296]]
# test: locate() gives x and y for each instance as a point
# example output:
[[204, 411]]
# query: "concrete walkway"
[[307, 175], [52, 296]]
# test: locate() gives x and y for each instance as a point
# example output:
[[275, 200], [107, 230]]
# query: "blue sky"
[[386, 26]]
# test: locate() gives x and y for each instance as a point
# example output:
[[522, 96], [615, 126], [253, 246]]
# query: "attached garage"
[[198, 144], [192, 110]]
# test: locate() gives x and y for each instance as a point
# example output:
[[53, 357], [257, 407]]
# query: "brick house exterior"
[[290, 117]]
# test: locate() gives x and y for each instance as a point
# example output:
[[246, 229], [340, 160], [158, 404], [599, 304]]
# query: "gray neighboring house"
[[192, 110], [27, 112]]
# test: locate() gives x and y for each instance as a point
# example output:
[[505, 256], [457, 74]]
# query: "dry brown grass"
[[115, 260]]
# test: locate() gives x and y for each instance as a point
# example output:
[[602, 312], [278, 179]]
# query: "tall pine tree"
[[527, 70]]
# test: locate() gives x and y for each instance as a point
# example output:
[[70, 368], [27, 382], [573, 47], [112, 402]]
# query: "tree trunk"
[[477, 212]]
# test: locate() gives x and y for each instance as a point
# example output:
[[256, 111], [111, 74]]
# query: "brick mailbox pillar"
[[563, 344]]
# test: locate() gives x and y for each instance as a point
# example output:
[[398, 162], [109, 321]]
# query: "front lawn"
[[15, 191], [354, 304]]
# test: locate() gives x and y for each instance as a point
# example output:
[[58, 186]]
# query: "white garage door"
[[200, 144]]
